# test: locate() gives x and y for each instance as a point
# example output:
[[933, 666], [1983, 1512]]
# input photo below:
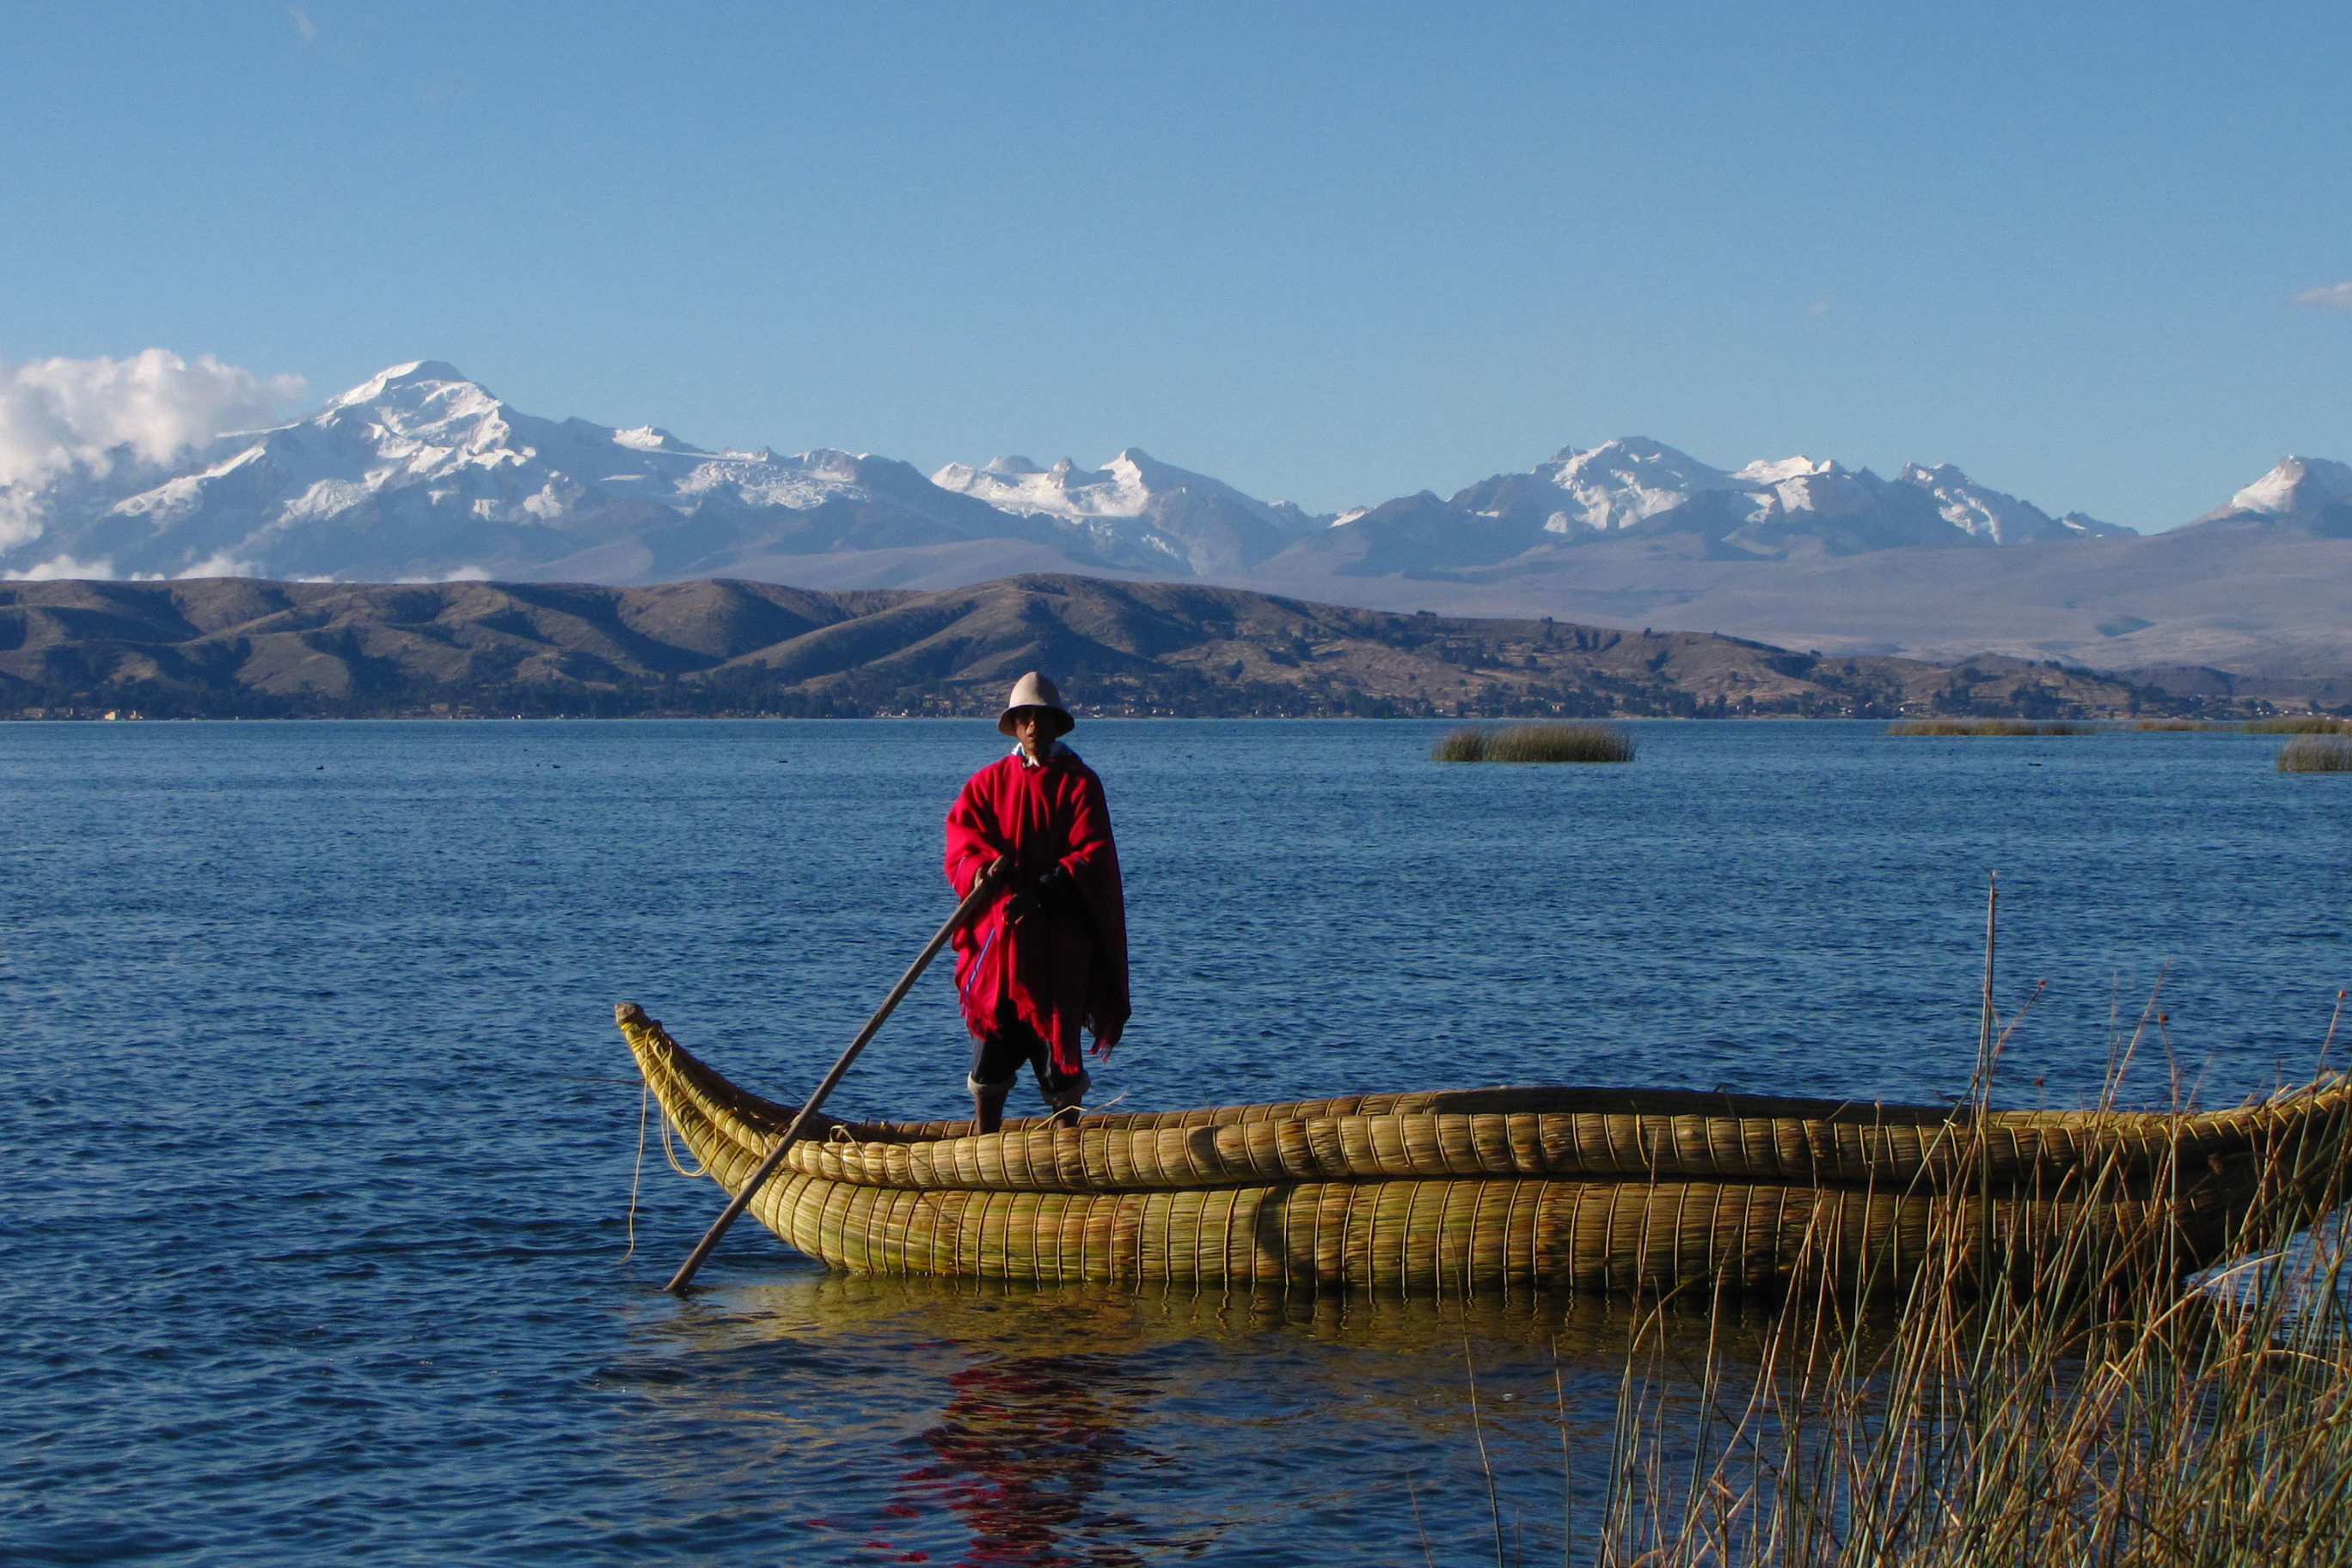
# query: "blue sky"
[[1330, 253]]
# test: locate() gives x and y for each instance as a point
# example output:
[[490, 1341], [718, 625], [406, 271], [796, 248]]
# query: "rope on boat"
[[644, 1102], [702, 1167]]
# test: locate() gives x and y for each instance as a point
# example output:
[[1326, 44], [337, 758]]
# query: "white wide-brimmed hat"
[[1034, 691]]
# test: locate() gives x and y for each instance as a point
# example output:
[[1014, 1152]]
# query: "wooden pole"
[[743, 1198]]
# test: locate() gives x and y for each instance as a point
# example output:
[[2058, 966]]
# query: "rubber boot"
[[988, 1104]]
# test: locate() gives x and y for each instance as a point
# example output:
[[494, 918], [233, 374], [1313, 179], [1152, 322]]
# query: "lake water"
[[321, 1141]]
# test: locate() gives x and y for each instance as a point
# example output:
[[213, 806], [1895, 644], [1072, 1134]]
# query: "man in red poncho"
[[1049, 957]]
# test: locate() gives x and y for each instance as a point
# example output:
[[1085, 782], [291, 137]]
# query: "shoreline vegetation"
[[2299, 724], [1988, 727], [2075, 1399], [247, 648], [1535, 744], [2323, 735]]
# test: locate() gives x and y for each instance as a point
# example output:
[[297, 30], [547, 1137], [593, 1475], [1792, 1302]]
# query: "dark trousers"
[[997, 1060]]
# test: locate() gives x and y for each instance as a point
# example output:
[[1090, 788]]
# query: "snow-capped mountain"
[[2297, 488], [420, 472], [1138, 511], [1634, 482], [1989, 514]]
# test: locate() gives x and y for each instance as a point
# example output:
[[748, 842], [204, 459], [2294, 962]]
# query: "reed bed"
[[2060, 1403], [2179, 724], [1535, 744], [2317, 754], [1468, 744], [1988, 727], [2299, 724]]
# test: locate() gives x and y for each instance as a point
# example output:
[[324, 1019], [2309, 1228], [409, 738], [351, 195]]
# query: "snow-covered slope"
[[1642, 494], [1764, 506], [1138, 511], [2297, 487], [420, 472], [1999, 519]]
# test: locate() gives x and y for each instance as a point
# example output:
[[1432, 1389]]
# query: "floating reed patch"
[[2317, 754], [2177, 724], [2299, 724], [1987, 727], [1468, 744], [1535, 744]]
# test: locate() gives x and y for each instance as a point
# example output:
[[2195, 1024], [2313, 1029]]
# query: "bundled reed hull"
[[1509, 1189]]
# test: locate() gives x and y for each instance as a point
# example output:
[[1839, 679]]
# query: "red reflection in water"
[[1022, 1450]]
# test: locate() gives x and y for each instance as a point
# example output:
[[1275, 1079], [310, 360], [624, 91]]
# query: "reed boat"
[[1505, 1189]]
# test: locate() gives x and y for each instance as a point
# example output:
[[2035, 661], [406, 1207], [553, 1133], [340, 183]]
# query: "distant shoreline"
[[246, 648]]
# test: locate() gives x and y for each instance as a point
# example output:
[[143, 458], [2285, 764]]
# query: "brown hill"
[[235, 646]]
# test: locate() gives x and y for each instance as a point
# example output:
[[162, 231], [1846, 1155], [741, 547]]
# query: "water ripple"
[[324, 1142]]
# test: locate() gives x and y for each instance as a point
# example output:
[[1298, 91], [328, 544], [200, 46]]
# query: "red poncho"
[[1057, 972]]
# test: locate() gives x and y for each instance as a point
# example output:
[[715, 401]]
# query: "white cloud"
[[57, 414], [59, 566], [303, 24], [221, 563], [20, 520], [2334, 297]]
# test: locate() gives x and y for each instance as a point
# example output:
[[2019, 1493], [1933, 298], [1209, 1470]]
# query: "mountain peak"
[[1065, 490], [2295, 485], [1622, 481], [1777, 470], [654, 438], [400, 377]]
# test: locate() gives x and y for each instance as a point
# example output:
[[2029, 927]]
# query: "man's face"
[[1029, 728]]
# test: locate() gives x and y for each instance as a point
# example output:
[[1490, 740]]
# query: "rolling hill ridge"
[[243, 647]]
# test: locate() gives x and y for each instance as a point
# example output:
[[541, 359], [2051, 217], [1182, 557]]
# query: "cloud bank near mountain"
[[58, 413], [98, 416]]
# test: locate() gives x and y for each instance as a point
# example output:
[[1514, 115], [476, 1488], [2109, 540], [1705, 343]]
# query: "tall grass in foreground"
[[1987, 727], [2299, 724], [2317, 754], [1535, 744], [2087, 1407]]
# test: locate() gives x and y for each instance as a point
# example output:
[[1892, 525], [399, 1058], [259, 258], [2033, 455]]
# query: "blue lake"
[[321, 1141]]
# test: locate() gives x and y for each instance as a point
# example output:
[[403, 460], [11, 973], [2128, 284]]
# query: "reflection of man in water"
[[1023, 1447], [1049, 958]]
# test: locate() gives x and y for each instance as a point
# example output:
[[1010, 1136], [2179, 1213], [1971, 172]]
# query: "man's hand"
[[1102, 1046], [1055, 890]]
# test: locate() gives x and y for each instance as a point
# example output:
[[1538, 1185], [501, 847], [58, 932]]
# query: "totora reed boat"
[[1504, 1189]]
